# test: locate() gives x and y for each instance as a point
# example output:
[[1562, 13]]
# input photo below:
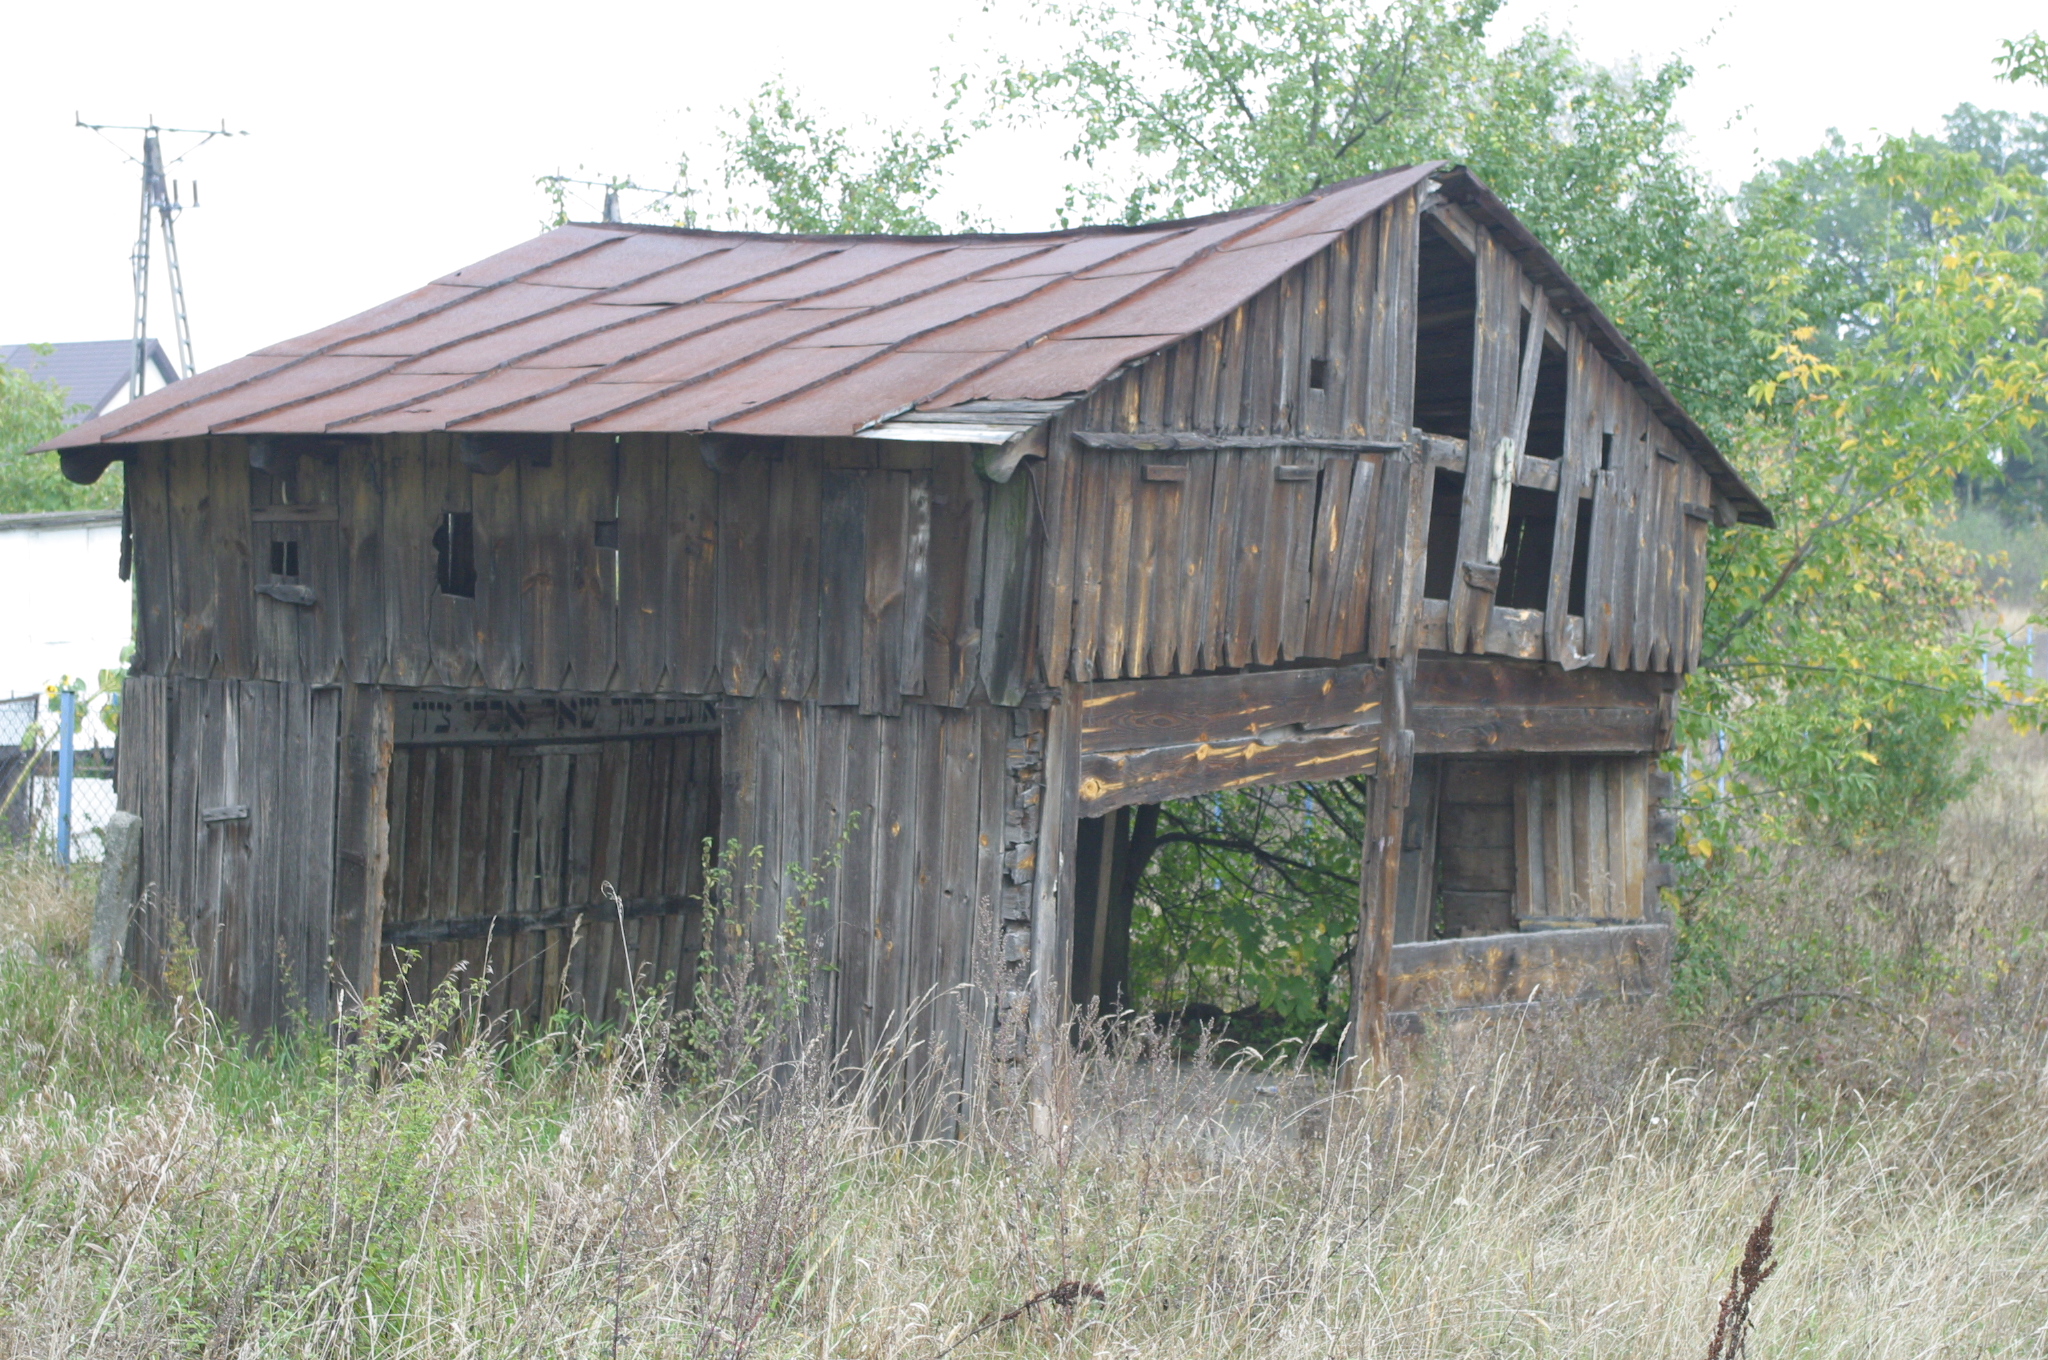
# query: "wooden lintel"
[[1538, 474], [1132, 714], [1172, 441], [1110, 780]]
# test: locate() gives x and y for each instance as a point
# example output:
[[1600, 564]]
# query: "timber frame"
[[407, 695]]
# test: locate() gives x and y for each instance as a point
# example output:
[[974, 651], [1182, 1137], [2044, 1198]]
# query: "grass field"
[[1866, 1036]]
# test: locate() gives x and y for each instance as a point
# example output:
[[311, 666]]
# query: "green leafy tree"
[[1192, 105], [31, 412], [786, 170], [1838, 664]]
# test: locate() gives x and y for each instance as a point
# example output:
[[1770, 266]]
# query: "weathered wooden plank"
[[1116, 485], [795, 517], [1008, 563], [1256, 560], [451, 620], [1094, 533], [361, 836], [694, 552], [1574, 477], [1193, 564], [1284, 612], [591, 465], [953, 575], [1113, 779], [1389, 410], [887, 534], [1223, 708], [1555, 965], [1496, 358], [226, 540], [842, 585], [743, 571], [193, 589]]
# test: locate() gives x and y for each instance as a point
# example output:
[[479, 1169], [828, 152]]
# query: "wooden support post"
[[362, 827], [1379, 881]]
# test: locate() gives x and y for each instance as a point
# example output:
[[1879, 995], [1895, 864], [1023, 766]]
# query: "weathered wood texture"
[[242, 903], [1509, 970], [848, 571], [891, 838], [1175, 560], [1582, 838]]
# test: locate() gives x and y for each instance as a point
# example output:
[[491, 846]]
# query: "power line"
[[161, 198]]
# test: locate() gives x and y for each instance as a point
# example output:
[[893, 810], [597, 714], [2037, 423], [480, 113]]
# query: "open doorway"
[[1237, 908]]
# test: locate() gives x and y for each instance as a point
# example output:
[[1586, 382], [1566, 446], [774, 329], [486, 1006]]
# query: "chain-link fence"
[[55, 794]]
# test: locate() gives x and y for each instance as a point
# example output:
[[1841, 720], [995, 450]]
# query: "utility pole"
[[159, 197]]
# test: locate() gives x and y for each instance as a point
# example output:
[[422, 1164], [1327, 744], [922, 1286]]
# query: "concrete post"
[[120, 885]]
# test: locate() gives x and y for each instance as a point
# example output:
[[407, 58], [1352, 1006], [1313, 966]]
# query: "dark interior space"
[[1582, 556], [1110, 856], [1546, 416], [1440, 567], [1447, 306], [1475, 849], [1526, 557]]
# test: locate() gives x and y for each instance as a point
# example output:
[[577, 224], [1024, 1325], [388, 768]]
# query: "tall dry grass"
[[1578, 1184]]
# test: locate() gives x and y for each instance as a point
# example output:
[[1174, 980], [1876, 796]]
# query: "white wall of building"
[[64, 609]]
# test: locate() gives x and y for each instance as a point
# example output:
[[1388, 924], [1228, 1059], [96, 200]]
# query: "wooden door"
[[499, 855]]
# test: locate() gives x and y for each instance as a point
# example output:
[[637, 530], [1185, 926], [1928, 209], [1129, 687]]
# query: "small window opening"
[[1582, 557], [608, 534], [455, 554], [1447, 310], [1606, 450], [1525, 559], [284, 558], [1546, 416], [1318, 374], [1440, 567]]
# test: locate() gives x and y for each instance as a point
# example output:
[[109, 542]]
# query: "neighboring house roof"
[[58, 519], [91, 372], [617, 329]]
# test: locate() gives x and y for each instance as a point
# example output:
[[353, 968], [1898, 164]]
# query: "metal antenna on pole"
[[161, 198], [611, 189]]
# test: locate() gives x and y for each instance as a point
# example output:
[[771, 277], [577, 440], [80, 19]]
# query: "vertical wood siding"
[[238, 901], [847, 571]]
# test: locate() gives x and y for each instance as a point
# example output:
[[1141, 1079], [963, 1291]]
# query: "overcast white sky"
[[392, 142]]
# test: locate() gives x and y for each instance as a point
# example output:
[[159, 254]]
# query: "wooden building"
[[925, 557]]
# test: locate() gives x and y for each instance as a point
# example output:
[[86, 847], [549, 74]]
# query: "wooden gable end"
[[1264, 533]]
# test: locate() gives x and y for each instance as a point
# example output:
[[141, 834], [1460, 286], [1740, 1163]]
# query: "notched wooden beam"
[[1115, 779]]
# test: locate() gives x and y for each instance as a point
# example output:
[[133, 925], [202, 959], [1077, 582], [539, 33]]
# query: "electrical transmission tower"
[[159, 197]]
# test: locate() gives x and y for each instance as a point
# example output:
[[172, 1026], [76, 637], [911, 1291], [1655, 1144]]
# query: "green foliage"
[[1251, 903], [1190, 105], [31, 412], [809, 178], [2024, 59], [1837, 659]]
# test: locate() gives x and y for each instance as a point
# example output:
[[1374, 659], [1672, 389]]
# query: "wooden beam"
[[1160, 774], [1135, 714], [1177, 442], [1379, 883]]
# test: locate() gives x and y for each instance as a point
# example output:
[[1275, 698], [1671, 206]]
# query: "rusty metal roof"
[[616, 329], [619, 329]]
